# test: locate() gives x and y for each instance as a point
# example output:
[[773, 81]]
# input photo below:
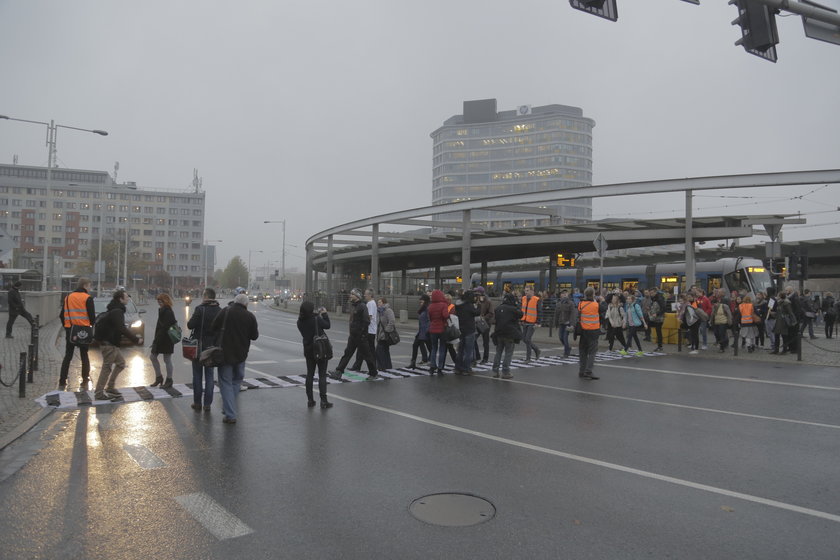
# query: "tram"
[[745, 275]]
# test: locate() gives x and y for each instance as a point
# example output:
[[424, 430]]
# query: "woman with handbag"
[[201, 323], [162, 344], [311, 325], [386, 326]]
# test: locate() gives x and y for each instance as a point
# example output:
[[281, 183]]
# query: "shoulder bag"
[[452, 331], [81, 335], [175, 333], [481, 324], [212, 355], [321, 345], [189, 344]]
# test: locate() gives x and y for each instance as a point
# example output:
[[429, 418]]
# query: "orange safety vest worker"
[[746, 310], [529, 309], [589, 320], [75, 309]]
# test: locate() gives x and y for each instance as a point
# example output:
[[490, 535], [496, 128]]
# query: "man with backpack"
[[109, 330]]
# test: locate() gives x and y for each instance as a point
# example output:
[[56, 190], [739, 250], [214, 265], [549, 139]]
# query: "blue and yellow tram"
[[747, 275]]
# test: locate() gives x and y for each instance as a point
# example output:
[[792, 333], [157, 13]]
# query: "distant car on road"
[[133, 320]]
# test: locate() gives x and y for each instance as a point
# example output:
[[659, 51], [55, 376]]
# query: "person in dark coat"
[[311, 324], [421, 339], [201, 323], [162, 344], [110, 328], [506, 334], [357, 340], [237, 327], [16, 309], [467, 311]]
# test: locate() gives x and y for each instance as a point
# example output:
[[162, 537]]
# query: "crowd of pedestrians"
[[459, 325]]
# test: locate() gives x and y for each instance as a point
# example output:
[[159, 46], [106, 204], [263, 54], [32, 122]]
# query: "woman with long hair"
[[162, 344], [311, 324]]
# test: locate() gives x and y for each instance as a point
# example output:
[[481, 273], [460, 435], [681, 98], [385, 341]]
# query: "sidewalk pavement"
[[18, 415]]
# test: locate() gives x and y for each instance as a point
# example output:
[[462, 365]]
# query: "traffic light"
[[793, 266], [606, 9], [759, 35], [803, 267]]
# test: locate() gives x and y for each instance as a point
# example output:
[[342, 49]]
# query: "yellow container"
[[670, 328]]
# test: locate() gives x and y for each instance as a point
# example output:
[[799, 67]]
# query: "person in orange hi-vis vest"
[[76, 309], [530, 314], [590, 329], [749, 329]]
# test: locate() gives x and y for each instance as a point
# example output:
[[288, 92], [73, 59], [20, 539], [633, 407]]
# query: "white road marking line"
[[217, 520], [295, 342], [723, 377], [262, 362], [662, 403], [143, 456], [604, 464]]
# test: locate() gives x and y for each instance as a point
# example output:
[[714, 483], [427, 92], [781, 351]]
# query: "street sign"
[[601, 244]]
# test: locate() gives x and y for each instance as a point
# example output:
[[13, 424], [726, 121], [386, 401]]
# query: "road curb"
[[19, 430]]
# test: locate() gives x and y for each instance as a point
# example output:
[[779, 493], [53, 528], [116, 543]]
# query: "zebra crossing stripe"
[[70, 400], [267, 382], [144, 393]]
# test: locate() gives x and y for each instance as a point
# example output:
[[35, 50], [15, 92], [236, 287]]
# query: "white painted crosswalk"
[[65, 400]]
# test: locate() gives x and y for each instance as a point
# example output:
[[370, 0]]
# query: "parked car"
[[133, 319]]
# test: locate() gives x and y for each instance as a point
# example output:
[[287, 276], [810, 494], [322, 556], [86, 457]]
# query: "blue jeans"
[[438, 353], [505, 346], [563, 331], [230, 378], [466, 352], [202, 383]]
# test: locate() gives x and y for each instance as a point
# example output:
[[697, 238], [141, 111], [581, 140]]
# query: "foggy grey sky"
[[319, 112]]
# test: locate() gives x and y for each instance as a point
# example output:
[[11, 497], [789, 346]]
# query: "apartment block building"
[[67, 212]]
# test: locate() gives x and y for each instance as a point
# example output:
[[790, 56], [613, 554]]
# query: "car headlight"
[[137, 324]]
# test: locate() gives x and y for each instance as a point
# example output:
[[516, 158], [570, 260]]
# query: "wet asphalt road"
[[663, 457]]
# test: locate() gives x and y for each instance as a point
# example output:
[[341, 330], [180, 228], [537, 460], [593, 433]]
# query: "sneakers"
[[507, 376], [227, 420], [335, 375], [589, 376], [640, 354], [704, 347], [103, 396], [113, 393], [495, 374], [623, 352], [694, 352], [372, 376]]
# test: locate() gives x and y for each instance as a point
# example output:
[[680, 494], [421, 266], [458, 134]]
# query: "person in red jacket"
[[438, 315]]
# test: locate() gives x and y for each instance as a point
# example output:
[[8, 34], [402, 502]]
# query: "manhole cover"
[[452, 510]]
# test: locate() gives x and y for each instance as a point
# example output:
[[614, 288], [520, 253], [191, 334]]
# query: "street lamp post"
[[204, 248], [250, 252], [52, 132], [283, 260]]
